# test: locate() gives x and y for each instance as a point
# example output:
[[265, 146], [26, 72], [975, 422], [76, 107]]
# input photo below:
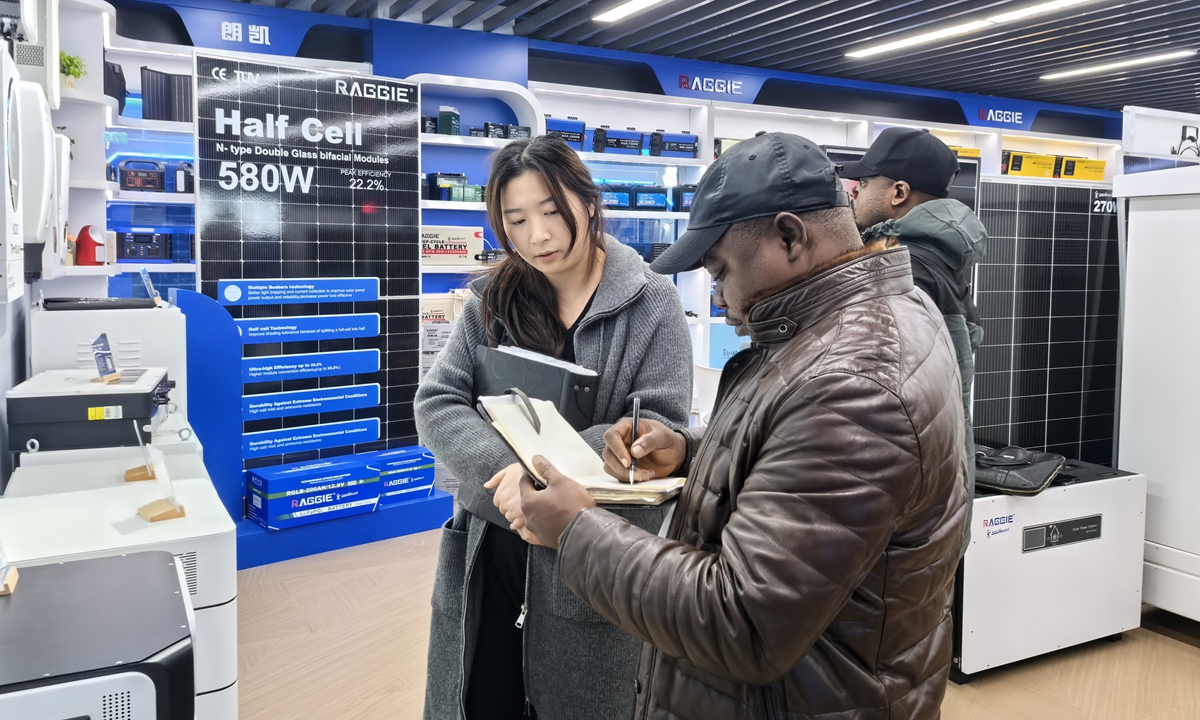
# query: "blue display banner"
[[733, 83], [308, 327], [305, 402], [290, 291], [310, 437], [309, 365]]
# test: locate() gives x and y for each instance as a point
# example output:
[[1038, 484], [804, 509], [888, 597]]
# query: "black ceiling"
[[813, 36]]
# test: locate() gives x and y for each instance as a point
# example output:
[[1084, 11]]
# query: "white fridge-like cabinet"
[[1159, 426]]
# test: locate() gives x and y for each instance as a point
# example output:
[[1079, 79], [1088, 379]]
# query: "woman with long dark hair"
[[507, 639]]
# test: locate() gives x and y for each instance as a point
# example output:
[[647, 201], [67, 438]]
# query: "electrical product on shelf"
[[185, 177], [440, 184], [429, 125], [144, 246], [495, 131], [676, 145], [478, 132], [517, 132], [572, 130], [651, 198], [114, 84], [144, 175], [451, 245], [619, 142], [166, 96], [681, 197], [448, 120], [616, 197]]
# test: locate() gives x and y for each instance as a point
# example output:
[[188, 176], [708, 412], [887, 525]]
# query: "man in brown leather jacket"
[[808, 567]]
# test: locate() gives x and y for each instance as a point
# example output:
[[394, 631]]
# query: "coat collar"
[[877, 274], [622, 280]]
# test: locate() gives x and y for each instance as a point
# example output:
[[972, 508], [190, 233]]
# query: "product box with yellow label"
[[451, 245], [1071, 168], [965, 152], [438, 315], [1027, 164]]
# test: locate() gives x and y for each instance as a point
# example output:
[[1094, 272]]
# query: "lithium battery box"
[[65, 410], [616, 197], [495, 131], [681, 197], [651, 198], [664, 144], [620, 142], [571, 130], [1027, 164], [517, 132], [288, 495], [451, 245], [1079, 169], [404, 473]]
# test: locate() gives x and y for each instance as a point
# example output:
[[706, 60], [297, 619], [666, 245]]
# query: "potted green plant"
[[71, 68]]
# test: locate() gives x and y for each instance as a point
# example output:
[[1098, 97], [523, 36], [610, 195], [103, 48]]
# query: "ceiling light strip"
[[621, 12], [1094, 69]]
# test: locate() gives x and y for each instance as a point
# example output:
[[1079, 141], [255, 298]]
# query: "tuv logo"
[[1002, 116]]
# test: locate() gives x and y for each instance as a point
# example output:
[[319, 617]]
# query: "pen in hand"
[[637, 411]]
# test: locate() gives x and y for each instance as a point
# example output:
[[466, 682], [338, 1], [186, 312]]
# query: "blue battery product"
[[681, 200], [288, 495], [571, 130], [618, 142], [404, 473], [616, 197], [651, 198]]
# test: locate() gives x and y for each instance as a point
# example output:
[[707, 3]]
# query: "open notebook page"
[[561, 445]]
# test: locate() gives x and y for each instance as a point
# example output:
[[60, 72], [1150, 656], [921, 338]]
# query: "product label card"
[[308, 327], [296, 367], [309, 437], [302, 290], [307, 402]]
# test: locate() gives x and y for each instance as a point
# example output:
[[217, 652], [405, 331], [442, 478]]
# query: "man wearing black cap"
[[807, 568], [904, 180]]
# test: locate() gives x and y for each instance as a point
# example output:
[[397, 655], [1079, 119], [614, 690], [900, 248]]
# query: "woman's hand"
[[507, 484], [659, 450]]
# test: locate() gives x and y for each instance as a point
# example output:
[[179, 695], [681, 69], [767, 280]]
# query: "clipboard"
[[480, 504]]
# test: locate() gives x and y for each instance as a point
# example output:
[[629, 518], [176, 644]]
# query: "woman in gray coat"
[[508, 640]]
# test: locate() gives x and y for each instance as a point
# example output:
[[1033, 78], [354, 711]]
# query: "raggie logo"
[[998, 525], [711, 85], [1002, 116]]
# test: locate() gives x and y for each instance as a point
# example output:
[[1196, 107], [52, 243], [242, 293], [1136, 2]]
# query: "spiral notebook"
[[535, 427]]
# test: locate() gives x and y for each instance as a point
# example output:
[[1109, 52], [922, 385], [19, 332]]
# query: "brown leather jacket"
[[808, 568]]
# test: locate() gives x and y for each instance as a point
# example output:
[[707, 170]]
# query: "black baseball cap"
[[766, 175], [917, 157]]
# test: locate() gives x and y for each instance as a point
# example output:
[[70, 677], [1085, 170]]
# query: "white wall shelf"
[[98, 185], [591, 157], [464, 141], [120, 121], [127, 267], [79, 97], [524, 105], [154, 198], [450, 205], [451, 269], [646, 214]]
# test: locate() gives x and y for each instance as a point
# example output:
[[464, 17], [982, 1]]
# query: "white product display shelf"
[[451, 205], [120, 121], [78, 97], [124, 267], [464, 141], [524, 105], [153, 198], [591, 157], [451, 269], [646, 214], [99, 185]]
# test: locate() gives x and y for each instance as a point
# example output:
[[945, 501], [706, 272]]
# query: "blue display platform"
[[256, 546]]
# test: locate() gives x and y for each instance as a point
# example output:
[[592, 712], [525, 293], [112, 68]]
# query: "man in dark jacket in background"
[[808, 567], [904, 180]]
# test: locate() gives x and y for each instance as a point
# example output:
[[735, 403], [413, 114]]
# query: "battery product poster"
[[307, 212]]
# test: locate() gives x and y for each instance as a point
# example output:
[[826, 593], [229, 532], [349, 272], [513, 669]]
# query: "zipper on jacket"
[[767, 697], [524, 643], [521, 617], [462, 677]]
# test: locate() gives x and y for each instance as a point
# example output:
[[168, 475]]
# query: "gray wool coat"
[[577, 665]]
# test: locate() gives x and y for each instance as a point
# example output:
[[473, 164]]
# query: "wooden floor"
[[343, 635]]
